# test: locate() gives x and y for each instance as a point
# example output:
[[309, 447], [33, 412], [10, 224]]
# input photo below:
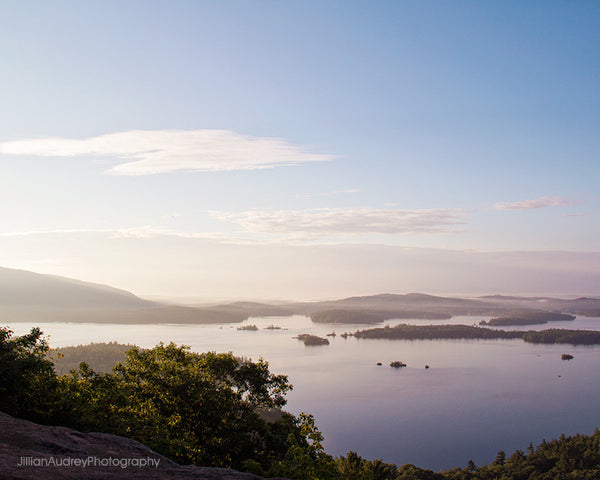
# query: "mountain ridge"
[[31, 297], [22, 287]]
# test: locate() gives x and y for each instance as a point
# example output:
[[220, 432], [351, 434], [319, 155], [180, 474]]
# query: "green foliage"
[[410, 472], [576, 457], [26, 373], [500, 458], [102, 357], [305, 458], [354, 467], [193, 408]]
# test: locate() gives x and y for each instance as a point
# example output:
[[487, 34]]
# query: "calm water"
[[478, 397]]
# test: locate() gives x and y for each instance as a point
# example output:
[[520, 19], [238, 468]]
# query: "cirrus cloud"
[[338, 221], [148, 152], [542, 202]]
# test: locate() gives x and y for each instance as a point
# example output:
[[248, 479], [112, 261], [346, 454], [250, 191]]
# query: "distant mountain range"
[[418, 305], [23, 288], [32, 297], [28, 296]]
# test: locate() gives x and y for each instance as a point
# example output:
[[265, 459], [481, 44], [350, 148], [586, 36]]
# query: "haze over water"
[[477, 398]]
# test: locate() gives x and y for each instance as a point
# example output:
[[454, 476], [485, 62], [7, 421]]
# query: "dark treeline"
[[101, 357], [559, 335], [435, 332], [509, 321], [529, 318], [467, 332], [203, 409], [372, 316]]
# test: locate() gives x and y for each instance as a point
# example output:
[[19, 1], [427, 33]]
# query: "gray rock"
[[29, 451]]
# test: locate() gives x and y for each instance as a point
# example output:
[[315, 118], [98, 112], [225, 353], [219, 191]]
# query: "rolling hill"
[[33, 297], [19, 288]]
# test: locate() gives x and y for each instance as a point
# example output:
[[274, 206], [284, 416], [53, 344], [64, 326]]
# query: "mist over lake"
[[478, 397]]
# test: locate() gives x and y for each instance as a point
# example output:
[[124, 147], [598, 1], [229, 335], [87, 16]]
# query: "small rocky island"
[[397, 364], [312, 340], [567, 356], [249, 328]]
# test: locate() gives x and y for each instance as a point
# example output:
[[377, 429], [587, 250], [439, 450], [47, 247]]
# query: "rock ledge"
[[29, 451]]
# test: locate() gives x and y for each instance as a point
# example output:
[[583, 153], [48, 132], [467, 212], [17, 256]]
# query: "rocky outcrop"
[[29, 451]]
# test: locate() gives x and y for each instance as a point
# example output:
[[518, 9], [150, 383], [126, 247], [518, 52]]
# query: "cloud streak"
[[150, 232], [542, 202], [149, 152], [328, 194], [337, 221], [142, 232]]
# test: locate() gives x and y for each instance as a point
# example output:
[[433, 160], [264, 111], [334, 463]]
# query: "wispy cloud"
[[146, 231], [150, 232], [148, 152], [57, 231], [542, 202], [285, 226], [337, 221], [328, 194]]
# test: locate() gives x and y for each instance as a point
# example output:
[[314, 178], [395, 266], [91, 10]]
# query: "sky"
[[302, 149]]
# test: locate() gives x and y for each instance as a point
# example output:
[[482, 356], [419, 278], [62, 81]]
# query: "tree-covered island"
[[528, 318], [468, 332]]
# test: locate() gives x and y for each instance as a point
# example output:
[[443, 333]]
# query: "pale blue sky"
[[450, 126]]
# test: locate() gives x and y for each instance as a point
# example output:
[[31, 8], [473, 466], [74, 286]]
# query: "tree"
[[351, 466], [28, 379], [305, 458], [191, 407], [500, 458]]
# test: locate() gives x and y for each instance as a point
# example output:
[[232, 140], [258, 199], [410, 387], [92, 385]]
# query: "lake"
[[477, 398]]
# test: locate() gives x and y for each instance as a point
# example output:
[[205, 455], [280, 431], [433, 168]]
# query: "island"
[[560, 335], [397, 364], [528, 318], [249, 328], [467, 332], [435, 332], [311, 340]]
